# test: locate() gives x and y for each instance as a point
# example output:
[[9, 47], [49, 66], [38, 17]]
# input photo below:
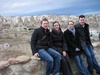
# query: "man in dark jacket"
[[83, 30], [40, 45]]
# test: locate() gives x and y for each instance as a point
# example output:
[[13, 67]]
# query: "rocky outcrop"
[[96, 44], [23, 65], [17, 21], [29, 65], [25, 23]]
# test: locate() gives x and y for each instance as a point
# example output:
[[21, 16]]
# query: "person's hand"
[[64, 53], [77, 49], [36, 55]]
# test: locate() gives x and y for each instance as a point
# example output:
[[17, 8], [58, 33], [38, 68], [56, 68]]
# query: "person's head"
[[71, 24], [56, 25], [44, 23], [82, 19]]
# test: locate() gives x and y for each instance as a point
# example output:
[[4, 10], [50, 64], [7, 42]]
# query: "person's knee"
[[89, 56], [50, 60], [58, 55]]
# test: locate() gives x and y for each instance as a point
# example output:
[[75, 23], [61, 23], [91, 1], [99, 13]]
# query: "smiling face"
[[82, 21], [56, 26], [44, 24], [71, 24]]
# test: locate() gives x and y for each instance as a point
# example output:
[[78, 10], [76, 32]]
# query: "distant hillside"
[[28, 22]]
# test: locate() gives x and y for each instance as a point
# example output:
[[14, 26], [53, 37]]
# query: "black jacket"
[[40, 39], [58, 41], [84, 35], [72, 42]]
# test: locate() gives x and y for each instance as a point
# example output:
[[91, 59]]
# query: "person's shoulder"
[[66, 31], [37, 29], [77, 25], [87, 24]]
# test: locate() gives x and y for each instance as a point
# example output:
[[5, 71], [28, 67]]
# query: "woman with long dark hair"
[[59, 44]]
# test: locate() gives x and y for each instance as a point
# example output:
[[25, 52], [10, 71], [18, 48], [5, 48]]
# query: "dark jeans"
[[81, 65], [65, 66], [91, 60], [52, 58]]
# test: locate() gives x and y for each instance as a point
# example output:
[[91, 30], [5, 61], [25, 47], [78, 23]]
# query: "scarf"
[[72, 30]]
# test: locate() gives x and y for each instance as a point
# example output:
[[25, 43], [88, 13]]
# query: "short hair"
[[70, 21], [81, 16], [44, 20]]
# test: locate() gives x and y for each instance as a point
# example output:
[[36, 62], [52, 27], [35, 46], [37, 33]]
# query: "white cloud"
[[21, 7], [91, 12], [29, 6]]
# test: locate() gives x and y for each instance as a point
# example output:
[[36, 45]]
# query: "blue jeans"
[[91, 60], [52, 58], [81, 65]]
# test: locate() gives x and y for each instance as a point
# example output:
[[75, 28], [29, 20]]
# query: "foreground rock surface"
[[25, 65], [32, 67]]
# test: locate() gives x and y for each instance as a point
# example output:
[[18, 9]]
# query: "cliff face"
[[32, 21], [26, 23]]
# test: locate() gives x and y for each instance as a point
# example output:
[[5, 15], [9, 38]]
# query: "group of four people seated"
[[56, 47]]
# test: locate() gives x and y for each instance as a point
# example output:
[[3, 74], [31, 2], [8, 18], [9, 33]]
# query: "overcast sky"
[[55, 7]]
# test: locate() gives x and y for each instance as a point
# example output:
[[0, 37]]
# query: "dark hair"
[[56, 22], [81, 16], [44, 20], [70, 21]]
